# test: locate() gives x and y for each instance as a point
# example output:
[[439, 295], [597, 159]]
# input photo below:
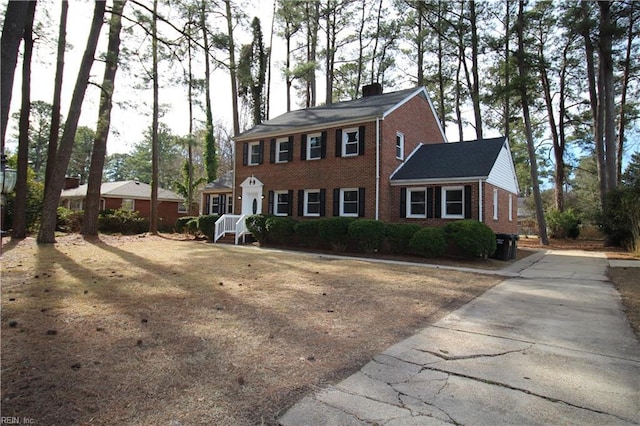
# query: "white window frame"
[[495, 204], [279, 151], [343, 192], [510, 207], [400, 146], [345, 142], [128, 204], [445, 191], [182, 207], [307, 192], [76, 204], [252, 146], [315, 137], [410, 213], [276, 203]]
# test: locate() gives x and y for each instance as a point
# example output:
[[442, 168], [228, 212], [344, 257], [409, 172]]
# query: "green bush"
[[123, 222], [429, 242], [368, 233], [471, 238], [256, 224], [620, 220], [563, 224], [398, 236], [69, 220], [191, 227], [334, 232], [308, 232], [207, 225], [181, 223], [280, 230]]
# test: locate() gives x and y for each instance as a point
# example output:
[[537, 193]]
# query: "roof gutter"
[[436, 180]]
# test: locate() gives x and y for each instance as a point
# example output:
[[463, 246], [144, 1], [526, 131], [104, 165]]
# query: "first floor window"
[[312, 203], [417, 205], [495, 204], [453, 202], [75, 204], [282, 203], [510, 208], [182, 207], [215, 204], [127, 204], [349, 202]]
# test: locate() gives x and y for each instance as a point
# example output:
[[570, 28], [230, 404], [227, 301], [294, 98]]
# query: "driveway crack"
[[473, 356]]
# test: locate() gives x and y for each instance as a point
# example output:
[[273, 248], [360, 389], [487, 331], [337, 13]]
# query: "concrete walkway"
[[550, 346]]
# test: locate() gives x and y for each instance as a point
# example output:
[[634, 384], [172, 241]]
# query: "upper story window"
[[252, 153], [314, 146], [350, 142], [453, 202], [399, 146], [282, 150]]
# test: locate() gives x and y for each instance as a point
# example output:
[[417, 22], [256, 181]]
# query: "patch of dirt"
[[159, 330], [627, 282]]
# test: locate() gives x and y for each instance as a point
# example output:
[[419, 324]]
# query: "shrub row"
[[109, 222], [467, 238], [197, 225]]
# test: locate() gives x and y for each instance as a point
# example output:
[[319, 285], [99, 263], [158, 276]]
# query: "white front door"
[[251, 196]]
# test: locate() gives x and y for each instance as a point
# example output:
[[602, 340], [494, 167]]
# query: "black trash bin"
[[502, 247], [513, 246]]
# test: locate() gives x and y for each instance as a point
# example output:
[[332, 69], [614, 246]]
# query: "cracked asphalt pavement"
[[550, 345]]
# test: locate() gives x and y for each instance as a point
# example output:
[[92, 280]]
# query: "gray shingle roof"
[[124, 189], [469, 159], [368, 107]]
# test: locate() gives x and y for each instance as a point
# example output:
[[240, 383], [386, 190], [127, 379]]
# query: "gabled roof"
[[224, 182], [451, 161], [364, 109], [124, 189]]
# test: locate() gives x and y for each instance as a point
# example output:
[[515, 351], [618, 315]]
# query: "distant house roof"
[[224, 182], [460, 160], [124, 189], [362, 109]]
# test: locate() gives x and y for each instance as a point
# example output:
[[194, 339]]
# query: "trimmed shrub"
[[207, 225], [334, 232], [563, 224], [123, 222], [471, 238], [191, 227], [368, 233], [181, 223], [429, 242], [308, 232], [69, 220], [280, 230], [398, 236], [256, 224], [620, 220]]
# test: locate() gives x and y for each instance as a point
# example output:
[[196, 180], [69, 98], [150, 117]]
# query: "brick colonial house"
[[383, 156], [127, 195]]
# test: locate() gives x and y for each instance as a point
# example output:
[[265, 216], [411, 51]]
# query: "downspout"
[[480, 200], [377, 168]]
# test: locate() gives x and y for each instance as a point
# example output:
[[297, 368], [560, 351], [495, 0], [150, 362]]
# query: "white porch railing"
[[231, 224]]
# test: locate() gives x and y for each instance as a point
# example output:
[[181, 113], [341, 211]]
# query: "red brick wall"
[[414, 119], [167, 210]]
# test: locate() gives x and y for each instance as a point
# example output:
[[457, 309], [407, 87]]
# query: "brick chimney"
[[71, 182], [372, 89]]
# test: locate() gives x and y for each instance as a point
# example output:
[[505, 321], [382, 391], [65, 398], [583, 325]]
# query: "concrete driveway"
[[548, 346]]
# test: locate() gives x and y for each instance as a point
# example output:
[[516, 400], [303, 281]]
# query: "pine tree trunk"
[[155, 154], [211, 165], [94, 183], [232, 70], [607, 28], [20, 203], [52, 192]]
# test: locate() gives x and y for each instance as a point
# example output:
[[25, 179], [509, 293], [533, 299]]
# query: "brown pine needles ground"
[[162, 330]]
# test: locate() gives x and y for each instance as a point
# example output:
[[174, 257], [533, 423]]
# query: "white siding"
[[503, 173]]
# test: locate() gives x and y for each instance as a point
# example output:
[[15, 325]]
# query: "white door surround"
[[252, 196]]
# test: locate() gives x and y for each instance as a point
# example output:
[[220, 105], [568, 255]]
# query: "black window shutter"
[[271, 202], [429, 203], [338, 142], [403, 202], [303, 147], [245, 153], [290, 206], [301, 202], [437, 198], [272, 151], [467, 201], [323, 145], [290, 148], [360, 202], [361, 141], [261, 155], [336, 201], [323, 199]]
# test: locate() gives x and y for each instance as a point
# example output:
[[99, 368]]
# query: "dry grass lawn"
[[156, 330]]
